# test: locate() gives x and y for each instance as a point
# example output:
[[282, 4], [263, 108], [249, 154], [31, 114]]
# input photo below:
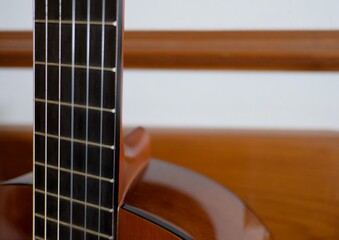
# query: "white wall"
[[203, 14], [232, 14], [226, 99], [232, 99]]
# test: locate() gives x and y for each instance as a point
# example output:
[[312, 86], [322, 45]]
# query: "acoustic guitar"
[[90, 181]]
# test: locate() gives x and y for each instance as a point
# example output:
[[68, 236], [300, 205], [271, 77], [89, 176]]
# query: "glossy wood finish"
[[16, 212], [16, 151], [187, 202], [200, 207], [132, 227], [136, 156], [259, 50], [289, 178], [167, 192], [16, 215]]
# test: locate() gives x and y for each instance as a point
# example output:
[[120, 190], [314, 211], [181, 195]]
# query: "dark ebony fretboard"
[[77, 118]]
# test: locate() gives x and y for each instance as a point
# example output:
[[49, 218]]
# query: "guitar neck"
[[77, 67]]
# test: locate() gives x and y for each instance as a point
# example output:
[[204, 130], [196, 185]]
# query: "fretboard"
[[77, 67]]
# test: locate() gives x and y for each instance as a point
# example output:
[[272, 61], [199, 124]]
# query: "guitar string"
[[101, 102], [46, 97], [72, 118], [87, 104], [59, 123], [118, 2]]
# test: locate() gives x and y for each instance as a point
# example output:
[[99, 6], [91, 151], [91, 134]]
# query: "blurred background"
[[209, 99], [269, 134]]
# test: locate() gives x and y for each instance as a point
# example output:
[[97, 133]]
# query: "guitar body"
[[185, 205], [16, 212], [163, 201]]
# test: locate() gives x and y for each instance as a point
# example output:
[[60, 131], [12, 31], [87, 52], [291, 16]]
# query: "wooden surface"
[[171, 201], [258, 50], [132, 227], [179, 200], [16, 49], [15, 146], [16, 218], [201, 208], [16, 212], [289, 178], [134, 156]]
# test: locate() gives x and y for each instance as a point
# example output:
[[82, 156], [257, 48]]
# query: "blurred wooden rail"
[[290, 178], [243, 50]]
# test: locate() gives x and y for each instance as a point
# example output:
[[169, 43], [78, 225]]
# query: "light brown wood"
[[16, 49], [258, 50], [194, 204], [16, 218], [185, 201], [289, 178], [135, 155]]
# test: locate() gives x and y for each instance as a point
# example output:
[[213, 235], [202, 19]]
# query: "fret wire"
[[112, 23], [76, 172], [75, 66], [110, 210], [75, 227], [66, 104], [75, 140], [46, 94]]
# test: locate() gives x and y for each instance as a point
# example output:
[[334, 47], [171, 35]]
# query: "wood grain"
[[166, 200], [135, 154], [16, 49], [196, 205], [258, 50], [289, 178], [244, 50]]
